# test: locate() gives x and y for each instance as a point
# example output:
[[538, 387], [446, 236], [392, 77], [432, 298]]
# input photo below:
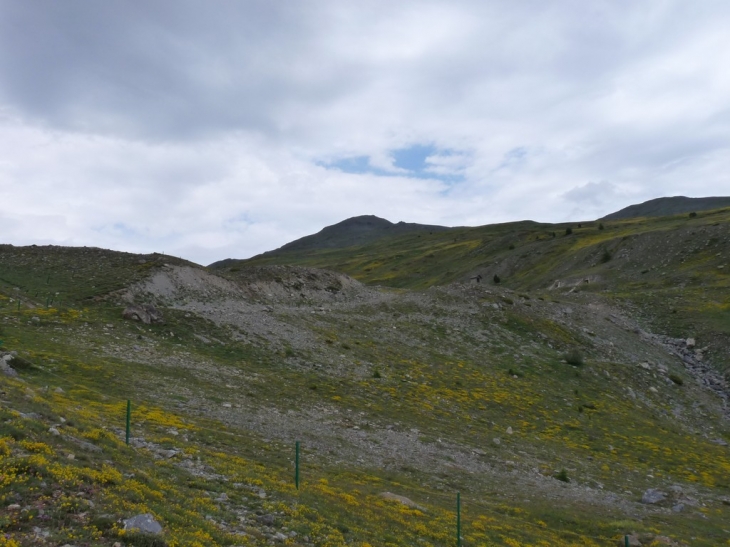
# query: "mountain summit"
[[358, 230]]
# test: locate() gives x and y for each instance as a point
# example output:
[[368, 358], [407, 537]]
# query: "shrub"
[[511, 246], [606, 256], [693, 215], [497, 279], [562, 475], [568, 231], [601, 227], [676, 379], [377, 374], [574, 357]]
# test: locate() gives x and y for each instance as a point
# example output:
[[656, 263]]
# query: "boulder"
[[145, 523], [653, 496], [401, 499], [5, 367], [146, 313]]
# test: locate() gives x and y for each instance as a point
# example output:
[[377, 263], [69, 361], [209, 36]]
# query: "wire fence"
[[494, 509]]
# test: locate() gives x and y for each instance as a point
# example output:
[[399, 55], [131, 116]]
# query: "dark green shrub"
[[562, 475], [377, 374], [693, 215], [568, 231], [497, 279], [511, 246], [676, 379], [601, 227], [606, 256], [574, 357]]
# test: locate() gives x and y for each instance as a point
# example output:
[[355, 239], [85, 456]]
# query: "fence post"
[[296, 466], [458, 519], [626, 540], [129, 418]]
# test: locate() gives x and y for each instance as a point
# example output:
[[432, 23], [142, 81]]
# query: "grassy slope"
[[448, 379], [677, 269]]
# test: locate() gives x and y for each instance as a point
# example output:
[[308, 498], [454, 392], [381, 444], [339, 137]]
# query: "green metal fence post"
[[129, 418], [296, 466], [458, 519], [626, 540]]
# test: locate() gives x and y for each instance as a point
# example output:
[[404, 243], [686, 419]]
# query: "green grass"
[[437, 381]]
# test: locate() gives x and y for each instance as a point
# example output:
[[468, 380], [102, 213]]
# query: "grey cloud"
[[206, 120], [593, 193]]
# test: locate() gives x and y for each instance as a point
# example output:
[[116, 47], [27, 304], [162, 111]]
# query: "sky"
[[227, 128]]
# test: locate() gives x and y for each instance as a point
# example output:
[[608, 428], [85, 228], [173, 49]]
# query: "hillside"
[[580, 399], [352, 231], [676, 205]]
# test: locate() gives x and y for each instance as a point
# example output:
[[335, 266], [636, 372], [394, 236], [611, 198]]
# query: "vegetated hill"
[[676, 269], [551, 407], [676, 205], [352, 231]]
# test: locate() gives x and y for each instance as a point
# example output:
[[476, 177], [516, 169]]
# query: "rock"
[[5, 365], [227, 405], [58, 390], [678, 508], [653, 389], [497, 440], [146, 313], [71, 456], [645, 366], [690, 342], [401, 499], [266, 520], [13, 507], [53, 431], [144, 523], [509, 430], [653, 496]]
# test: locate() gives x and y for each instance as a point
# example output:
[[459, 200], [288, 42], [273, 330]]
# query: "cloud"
[[230, 131], [593, 193]]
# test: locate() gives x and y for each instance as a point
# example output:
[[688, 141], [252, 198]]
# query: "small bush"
[[568, 231], [676, 379], [574, 357], [606, 256], [562, 475], [377, 374], [601, 227], [693, 215], [496, 278], [511, 246], [513, 372]]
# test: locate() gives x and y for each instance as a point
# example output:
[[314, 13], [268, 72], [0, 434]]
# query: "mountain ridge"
[[666, 206]]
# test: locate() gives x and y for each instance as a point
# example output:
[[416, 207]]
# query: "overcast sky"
[[227, 128]]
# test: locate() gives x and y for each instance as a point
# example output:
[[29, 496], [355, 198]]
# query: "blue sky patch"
[[407, 162]]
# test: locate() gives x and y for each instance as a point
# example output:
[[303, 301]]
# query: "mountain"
[[676, 205], [581, 398], [350, 232]]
